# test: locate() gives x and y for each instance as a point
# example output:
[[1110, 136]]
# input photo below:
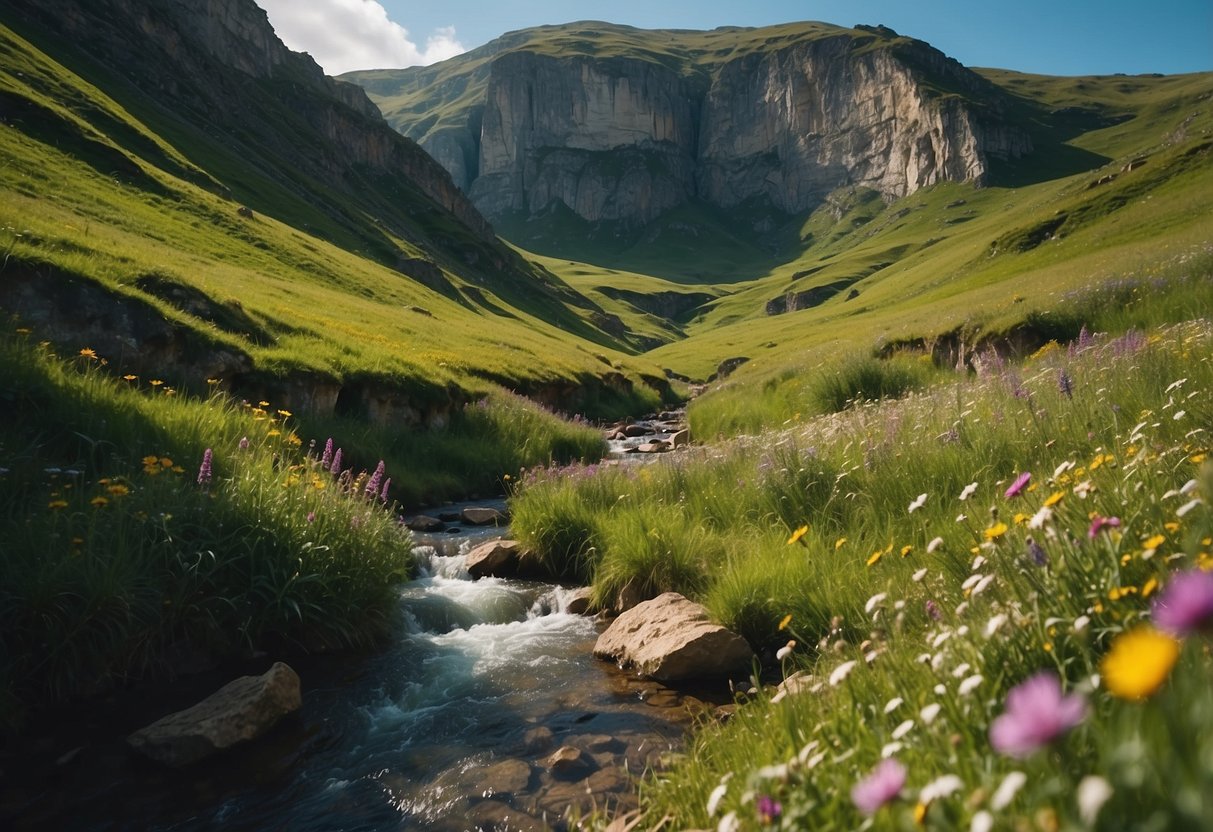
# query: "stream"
[[452, 727]]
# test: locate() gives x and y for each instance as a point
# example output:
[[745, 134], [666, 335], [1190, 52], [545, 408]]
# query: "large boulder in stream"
[[497, 557], [238, 712], [670, 638], [484, 516]]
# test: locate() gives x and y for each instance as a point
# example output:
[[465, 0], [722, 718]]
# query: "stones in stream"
[[238, 712], [483, 516], [670, 638], [424, 523]]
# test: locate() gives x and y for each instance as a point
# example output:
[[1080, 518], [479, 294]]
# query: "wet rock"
[[680, 438], [450, 516], [601, 743], [537, 740], [497, 557], [608, 780], [652, 448], [507, 777], [636, 430], [483, 516], [424, 523], [577, 601], [671, 638], [493, 815], [569, 763], [238, 712], [629, 596]]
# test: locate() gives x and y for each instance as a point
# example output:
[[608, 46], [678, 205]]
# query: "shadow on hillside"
[[1051, 130]]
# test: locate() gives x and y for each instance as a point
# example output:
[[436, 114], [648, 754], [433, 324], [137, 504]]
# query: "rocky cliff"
[[619, 124]]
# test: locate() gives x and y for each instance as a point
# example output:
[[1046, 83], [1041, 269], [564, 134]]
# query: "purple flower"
[[1186, 605], [1037, 553], [933, 610], [335, 468], [204, 470], [769, 810], [1036, 714], [387, 484], [243, 443], [1017, 487], [372, 485], [878, 788], [311, 517], [1065, 384], [326, 459], [1098, 524]]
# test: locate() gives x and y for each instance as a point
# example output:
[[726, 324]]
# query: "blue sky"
[[1061, 37]]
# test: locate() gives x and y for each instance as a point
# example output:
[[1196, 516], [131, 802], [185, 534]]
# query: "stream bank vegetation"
[[145, 530], [994, 594]]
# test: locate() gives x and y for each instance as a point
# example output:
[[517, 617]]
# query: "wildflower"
[[129, 377], [996, 531], [1186, 604], [933, 611], [838, 543], [118, 489], [1093, 793], [1154, 541], [156, 382], [1065, 384], [1186, 507], [372, 485], [1036, 553], [1139, 662], [878, 788], [729, 823], [797, 535], [326, 458], [785, 651], [335, 468], [940, 788], [841, 672], [918, 503], [995, 624], [718, 794], [967, 491], [893, 704], [904, 728], [243, 443], [1040, 518], [1036, 714], [983, 821], [1098, 524], [970, 684], [1054, 498], [919, 575], [98, 502], [204, 470], [929, 713], [55, 505], [1016, 488], [1084, 488], [1007, 789], [934, 544], [90, 353], [311, 517], [905, 550], [769, 810]]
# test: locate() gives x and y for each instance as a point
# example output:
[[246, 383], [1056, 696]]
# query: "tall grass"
[[948, 599]]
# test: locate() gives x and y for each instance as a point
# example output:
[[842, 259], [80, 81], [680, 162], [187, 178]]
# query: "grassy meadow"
[[917, 560], [146, 529]]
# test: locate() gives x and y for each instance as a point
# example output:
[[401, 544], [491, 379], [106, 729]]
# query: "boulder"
[[680, 438], [497, 557], [670, 638], [577, 601], [238, 712], [569, 763], [424, 523], [504, 778], [652, 448], [637, 430], [449, 516], [483, 516]]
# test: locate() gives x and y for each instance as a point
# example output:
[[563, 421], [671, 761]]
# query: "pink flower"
[[1186, 605], [878, 788], [1036, 714], [1019, 485], [1098, 524]]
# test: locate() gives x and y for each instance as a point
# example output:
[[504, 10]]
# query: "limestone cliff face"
[[611, 139], [625, 133]]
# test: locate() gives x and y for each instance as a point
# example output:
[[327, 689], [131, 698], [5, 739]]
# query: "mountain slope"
[[185, 194]]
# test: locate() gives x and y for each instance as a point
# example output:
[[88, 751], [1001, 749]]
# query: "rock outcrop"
[[621, 125], [238, 712], [670, 638]]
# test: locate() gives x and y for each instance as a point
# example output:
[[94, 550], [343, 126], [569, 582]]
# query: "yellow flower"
[[920, 813], [1148, 587], [838, 543], [129, 377], [1154, 542], [118, 490], [155, 382], [165, 462], [1100, 459], [1172, 527], [57, 504], [274, 433], [996, 531], [212, 381], [796, 535], [264, 404], [1199, 458], [1021, 518], [905, 550], [150, 460], [785, 621], [99, 502], [878, 554], [1055, 498], [285, 413], [89, 352], [1139, 662]]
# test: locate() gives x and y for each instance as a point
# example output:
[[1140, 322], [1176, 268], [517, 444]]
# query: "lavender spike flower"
[[387, 484], [372, 485], [326, 459], [204, 470], [335, 468]]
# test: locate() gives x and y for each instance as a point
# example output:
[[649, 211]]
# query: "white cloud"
[[354, 34]]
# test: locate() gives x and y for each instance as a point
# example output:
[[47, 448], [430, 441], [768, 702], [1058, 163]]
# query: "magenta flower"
[[335, 468], [311, 517], [1036, 714], [769, 810], [387, 484], [243, 443], [1017, 487], [1098, 524], [1186, 605], [933, 610], [204, 470], [326, 459], [372, 485], [878, 788]]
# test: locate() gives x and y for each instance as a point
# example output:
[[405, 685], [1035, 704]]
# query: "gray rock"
[[497, 557], [483, 516], [578, 601], [238, 712], [424, 523], [637, 430], [569, 763], [507, 777], [537, 739], [680, 438], [652, 448], [671, 638]]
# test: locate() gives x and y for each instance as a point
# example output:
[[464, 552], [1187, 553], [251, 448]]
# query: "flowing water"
[[451, 728]]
